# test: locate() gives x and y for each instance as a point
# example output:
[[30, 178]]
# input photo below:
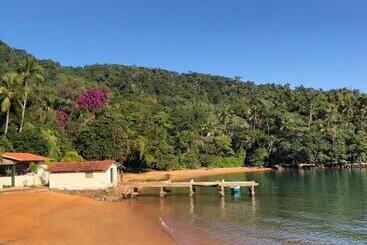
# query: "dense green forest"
[[153, 118]]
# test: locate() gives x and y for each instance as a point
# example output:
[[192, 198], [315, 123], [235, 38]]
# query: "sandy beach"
[[41, 216], [45, 217], [177, 175]]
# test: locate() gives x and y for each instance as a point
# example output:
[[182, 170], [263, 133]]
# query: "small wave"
[[166, 228]]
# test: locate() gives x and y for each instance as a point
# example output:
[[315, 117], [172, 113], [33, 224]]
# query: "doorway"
[[111, 173]]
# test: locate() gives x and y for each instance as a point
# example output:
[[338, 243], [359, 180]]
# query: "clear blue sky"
[[317, 43]]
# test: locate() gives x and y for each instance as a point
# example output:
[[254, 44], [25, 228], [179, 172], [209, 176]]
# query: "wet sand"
[[177, 175], [45, 217]]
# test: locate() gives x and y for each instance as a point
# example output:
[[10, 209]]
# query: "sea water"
[[290, 207]]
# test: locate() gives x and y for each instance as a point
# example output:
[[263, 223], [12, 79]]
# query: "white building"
[[16, 170], [83, 175]]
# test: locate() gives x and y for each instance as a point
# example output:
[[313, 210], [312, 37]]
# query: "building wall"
[[30, 179], [83, 181], [5, 160]]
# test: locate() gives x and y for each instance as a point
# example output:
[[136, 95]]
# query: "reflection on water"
[[310, 207]]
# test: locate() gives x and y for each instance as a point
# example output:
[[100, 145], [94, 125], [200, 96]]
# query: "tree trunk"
[[24, 105], [309, 120], [7, 121]]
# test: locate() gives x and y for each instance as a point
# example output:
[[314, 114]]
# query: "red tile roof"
[[85, 166], [24, 157]]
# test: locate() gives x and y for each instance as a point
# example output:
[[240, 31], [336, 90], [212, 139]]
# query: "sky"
[[316, 43]]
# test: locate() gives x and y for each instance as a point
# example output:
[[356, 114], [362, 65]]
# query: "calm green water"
[[292, 207]]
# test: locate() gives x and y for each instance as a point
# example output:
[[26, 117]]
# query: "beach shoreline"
[[179, 175], [42, 216]]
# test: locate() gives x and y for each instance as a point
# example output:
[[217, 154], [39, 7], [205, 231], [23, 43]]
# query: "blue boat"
[[235, 190]]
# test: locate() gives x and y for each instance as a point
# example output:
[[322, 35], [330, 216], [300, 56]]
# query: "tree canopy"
[[153, 118]]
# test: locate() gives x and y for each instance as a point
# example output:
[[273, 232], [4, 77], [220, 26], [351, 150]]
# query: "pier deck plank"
[[191, 185], [188, 184]]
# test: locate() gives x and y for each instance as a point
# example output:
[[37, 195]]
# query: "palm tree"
[[30, 71], [7, 90], [225, 114]]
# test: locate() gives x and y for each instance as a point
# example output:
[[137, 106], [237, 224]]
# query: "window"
[[89, 175]]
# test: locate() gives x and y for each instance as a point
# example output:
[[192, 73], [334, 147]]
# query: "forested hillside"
[[152, 118]]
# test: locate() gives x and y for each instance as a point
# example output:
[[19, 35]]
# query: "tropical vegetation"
[[157, 119]]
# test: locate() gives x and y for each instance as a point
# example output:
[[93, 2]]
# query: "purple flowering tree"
[[92, 99], [61, 118]]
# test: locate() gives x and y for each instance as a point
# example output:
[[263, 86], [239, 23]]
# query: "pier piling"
[[221, 191], [191, 187]]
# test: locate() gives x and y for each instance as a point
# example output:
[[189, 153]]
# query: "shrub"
[[226, 162], [259, 157], [105, 138], [54, 143], [190, 160], [72, 156], [29, 140], [33, 167], [5, 145], [8, 172]]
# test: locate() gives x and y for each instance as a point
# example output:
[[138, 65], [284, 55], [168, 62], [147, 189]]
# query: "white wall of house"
[[5, 160], [31, 179], [83, 180]]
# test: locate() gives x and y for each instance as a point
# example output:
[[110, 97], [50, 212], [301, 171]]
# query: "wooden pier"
[[191, 185]]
